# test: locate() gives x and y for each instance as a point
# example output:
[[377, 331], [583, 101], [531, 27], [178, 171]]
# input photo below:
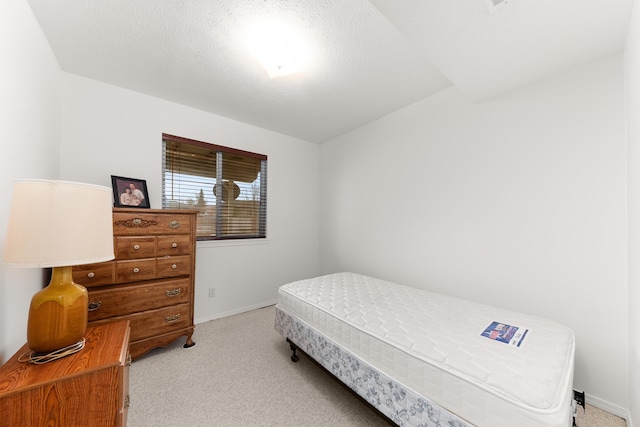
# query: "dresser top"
[[105, 346], [155, 211]]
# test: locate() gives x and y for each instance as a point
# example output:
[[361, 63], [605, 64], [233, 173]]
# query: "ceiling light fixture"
[[279, 48]]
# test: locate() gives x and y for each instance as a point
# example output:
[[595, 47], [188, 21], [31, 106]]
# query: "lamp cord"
[[42, 358]]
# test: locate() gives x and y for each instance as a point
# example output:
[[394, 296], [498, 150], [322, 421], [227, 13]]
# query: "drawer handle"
[[91, 275], [94, 305], [174, 245], [127, 402], [171, 319], [136, 222], [136, 270], [174, 224], [173, 292], [174, 266], [136, 247]]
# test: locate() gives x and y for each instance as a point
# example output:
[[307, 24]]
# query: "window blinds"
[[228, 187]]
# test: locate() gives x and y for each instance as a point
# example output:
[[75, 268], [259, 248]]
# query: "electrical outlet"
[[212, 292], [579, 397]]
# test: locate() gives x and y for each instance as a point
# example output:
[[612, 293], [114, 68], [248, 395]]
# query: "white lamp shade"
[[59, 223]]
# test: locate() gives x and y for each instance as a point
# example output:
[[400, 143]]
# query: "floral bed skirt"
[[400, 404]]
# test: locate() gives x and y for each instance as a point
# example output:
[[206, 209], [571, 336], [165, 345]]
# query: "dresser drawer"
[[174, 266], [135, 270], [135, 247], [124, 300], [130, 224], [149, 323], [100, 274], [174, 245]]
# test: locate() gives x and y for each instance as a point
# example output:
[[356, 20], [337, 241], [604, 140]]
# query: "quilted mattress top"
[[531, 368]]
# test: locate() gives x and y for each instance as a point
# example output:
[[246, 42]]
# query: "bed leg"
[[294, 356]]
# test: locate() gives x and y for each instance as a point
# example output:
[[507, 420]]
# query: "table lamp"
[[58, 224]]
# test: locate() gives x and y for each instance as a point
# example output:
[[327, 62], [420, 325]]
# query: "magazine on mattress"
[[504, 333]]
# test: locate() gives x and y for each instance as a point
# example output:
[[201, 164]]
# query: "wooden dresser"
[[151, 281], [88, 388]]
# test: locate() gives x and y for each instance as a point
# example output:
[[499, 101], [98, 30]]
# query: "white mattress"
[[433, 344]]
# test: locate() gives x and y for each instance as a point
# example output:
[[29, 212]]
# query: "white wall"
[[107, 131], [522, 197], [518, 202], [632, 71], [30, 118]]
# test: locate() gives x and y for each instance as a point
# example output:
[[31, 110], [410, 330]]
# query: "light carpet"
[[239, 373]]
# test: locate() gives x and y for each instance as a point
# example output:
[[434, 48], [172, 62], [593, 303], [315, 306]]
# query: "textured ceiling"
[[369, 58], [485, 54]]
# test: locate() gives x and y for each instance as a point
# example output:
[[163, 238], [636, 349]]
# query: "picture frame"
[[130, 192]]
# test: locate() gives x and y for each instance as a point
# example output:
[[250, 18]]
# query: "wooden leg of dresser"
[[141, 347], [190, 342]]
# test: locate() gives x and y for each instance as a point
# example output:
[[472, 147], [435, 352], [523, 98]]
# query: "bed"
[[426, 359]]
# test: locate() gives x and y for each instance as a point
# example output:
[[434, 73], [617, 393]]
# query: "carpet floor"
[[239, 373]]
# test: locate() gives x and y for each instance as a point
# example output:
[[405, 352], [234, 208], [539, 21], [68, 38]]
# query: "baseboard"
[[609, 407], [234, 312]]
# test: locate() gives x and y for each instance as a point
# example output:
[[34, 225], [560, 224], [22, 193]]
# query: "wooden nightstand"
[[88, 388]]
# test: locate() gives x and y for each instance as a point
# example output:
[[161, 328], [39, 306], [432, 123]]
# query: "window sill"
[[230, 242]]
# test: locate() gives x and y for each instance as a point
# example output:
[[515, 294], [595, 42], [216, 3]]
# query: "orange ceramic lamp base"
[[58, 313]]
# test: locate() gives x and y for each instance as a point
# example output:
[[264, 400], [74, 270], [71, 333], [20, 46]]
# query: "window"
[[227, 187]]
